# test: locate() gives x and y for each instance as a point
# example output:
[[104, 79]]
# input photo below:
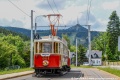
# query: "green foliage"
[[18, 60], [6, 50], [81, 54], [13, 51], [113, 31], [72, 48], [67, 39], [101, 43], [107, 41]]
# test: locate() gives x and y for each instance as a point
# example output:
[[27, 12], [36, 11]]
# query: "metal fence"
[[105, 63], [12, 67]]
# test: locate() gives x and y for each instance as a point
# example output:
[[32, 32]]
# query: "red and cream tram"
[[51, 55]]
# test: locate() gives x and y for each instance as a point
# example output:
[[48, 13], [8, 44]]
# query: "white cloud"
[[13, 23], [105, 22], [110, 5], [70, 10]]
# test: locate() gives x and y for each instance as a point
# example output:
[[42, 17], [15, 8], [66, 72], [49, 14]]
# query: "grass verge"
[[112, 71], [14, 71]]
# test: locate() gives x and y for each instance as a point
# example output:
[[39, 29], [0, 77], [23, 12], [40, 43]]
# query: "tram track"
[[74, 74], [98, 76]]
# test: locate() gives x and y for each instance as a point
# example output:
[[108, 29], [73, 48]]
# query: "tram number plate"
[[45, 54]]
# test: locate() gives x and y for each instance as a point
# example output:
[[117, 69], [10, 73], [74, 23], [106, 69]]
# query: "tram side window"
[[55, 47], [40, 47], [61, 48], [68, 53], [36, 47]]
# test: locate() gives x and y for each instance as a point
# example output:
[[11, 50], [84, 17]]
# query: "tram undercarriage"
[[46, 71]]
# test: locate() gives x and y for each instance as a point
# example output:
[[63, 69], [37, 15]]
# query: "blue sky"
[[70, 9]]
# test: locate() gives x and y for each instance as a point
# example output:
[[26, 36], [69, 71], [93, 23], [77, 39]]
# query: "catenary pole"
[[31, 51], [89, 44], [76, 51]]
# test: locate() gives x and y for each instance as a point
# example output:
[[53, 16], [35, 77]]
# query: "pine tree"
[[81, 54], [113, 31]]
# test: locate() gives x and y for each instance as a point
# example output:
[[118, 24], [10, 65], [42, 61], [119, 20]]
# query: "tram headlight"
[[45, 63]]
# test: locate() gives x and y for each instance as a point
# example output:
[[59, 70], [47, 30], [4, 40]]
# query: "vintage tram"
[[51, 53]]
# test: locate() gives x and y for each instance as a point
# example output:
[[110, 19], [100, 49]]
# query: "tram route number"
[[45, 54]]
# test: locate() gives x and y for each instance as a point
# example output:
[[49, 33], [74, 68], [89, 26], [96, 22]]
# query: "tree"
[[6, 52], [100, 43], [113, 31], [13, 51], [81, 54], [72, 48], [67, 39]]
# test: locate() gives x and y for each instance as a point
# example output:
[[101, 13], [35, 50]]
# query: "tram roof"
[[51, 39]]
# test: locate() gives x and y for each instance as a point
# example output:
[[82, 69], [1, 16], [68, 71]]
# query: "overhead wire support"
[[88, 11], [18, 8], [89, 35]]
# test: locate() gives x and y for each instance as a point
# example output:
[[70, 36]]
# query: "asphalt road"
[[74, 74]]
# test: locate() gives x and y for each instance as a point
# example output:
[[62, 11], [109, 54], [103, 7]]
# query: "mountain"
[[76, 31], [4, 31]]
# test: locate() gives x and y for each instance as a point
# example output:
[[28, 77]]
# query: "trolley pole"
[[31, 51], [76, 51]]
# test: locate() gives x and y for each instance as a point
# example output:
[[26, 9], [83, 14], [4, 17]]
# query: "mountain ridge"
[[76, 31]]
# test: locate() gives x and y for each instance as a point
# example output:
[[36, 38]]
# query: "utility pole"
[[89, 44], [31, 51], [76, 51]]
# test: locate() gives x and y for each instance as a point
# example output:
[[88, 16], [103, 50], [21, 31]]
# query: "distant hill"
[[5, 31], [76, 31]]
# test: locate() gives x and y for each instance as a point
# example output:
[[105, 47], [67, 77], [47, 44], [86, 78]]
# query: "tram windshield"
[[47, 47]]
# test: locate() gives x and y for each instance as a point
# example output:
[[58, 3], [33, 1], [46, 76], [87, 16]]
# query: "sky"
[[71, 10]]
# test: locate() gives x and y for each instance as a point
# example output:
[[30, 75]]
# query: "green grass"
[[81, 66], [112, 71], [14, 71]]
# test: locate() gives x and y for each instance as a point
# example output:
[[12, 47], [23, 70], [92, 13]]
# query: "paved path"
[[6, 76]]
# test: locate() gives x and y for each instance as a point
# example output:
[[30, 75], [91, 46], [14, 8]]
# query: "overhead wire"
[[56, 6], [58, 12], [19, 8], [50, 6]]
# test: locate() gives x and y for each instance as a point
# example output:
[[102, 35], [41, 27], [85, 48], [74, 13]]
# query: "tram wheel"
[[61, 73]]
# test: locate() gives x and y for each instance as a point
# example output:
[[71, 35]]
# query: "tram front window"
[[47, 47]]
